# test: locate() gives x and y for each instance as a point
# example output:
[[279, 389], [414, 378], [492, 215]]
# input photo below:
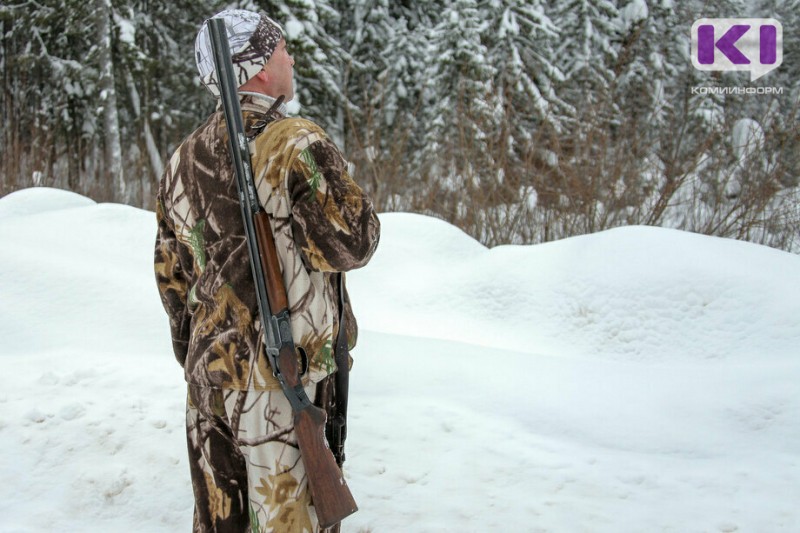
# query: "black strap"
[[342, 349], [259, 126], [338, 422]]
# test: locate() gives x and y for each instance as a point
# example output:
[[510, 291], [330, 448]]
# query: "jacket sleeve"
[[333, 221], [172, 283]]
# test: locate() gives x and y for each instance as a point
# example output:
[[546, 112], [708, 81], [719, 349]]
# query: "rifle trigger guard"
[[304, 362]]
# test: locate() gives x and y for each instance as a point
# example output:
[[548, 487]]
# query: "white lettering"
[[723, 91]]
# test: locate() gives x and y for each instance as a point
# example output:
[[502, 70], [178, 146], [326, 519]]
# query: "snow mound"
[[71, 272], [39, 200], [638, 293]]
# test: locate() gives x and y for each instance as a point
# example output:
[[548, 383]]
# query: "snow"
[[39, 200], [294, 29], [634, 12], [127, 31], [508, 24], [639, 379], [747, 138]]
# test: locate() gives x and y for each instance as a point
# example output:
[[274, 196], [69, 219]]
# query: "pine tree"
[[457, 103], [321, 62], [587, 56], [520, 40], [405, 61], [371, 141], [651, 92], [372, 28], [407, 57], [785, 116]]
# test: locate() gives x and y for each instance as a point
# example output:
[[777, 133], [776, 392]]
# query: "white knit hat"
[[252, 38]]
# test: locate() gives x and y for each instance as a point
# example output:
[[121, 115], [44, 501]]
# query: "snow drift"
[[639, 379]]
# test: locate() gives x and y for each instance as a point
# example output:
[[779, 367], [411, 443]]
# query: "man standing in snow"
[[247, 473]]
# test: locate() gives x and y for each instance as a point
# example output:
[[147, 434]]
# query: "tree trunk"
[[108, 97], [148, 179]]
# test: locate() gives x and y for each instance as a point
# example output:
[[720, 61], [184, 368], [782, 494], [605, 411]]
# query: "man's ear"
[[262, 76]]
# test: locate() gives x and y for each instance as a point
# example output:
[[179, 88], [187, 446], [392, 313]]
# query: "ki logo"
[[754, 45]]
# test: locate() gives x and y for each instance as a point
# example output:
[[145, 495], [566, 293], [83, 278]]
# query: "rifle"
[[331, 496]]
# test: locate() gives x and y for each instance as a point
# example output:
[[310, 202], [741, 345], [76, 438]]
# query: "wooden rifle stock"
[[331, 496]]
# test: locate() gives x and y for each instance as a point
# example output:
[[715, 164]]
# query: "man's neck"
[[268, 100]]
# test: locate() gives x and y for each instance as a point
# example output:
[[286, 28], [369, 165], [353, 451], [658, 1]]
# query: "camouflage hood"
[[322, 221]]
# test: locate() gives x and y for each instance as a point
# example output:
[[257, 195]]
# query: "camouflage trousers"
[[247, 474]]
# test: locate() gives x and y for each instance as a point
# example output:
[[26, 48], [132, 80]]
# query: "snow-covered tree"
[[587, 54], [520, 39], [457, 99], [315, 31], [511, 118]]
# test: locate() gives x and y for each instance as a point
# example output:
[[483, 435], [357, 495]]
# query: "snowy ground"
[[634, 380]]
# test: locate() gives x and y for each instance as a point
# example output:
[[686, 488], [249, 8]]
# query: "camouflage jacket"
[[323, 223]]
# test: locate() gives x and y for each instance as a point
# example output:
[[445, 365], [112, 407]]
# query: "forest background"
[[517, 121]]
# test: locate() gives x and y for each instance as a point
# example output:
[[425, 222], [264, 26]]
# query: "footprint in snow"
[[72, 411]]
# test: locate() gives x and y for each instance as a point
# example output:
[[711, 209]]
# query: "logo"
[[755, 45]]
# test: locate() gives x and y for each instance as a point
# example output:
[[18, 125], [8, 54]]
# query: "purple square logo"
[[754, 45]]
